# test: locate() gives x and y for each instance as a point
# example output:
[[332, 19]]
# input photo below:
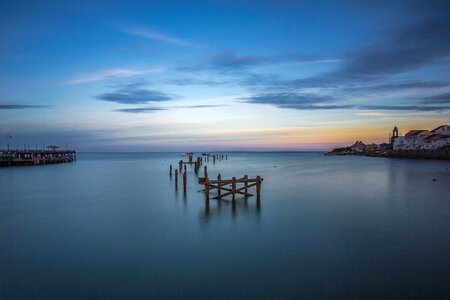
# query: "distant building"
[[358, 147], [423, 139]]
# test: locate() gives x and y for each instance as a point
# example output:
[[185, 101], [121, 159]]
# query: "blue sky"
[[206, 75]]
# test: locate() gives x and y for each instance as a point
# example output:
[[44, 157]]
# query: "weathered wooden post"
[[190, 159], [185, 168], [219, 178], [170, 172], [184, 179], [180, 164], [258, 186], [206, 172], [207, 188], [245, 184], [233, 186], [176, 177], [214, 159]]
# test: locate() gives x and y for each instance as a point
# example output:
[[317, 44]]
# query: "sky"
[[220, 75]]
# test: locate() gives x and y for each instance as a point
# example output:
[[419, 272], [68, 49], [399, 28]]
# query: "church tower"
[[394, 134]]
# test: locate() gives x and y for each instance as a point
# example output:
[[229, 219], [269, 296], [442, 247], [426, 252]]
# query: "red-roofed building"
[[443, 129], [423, 139]]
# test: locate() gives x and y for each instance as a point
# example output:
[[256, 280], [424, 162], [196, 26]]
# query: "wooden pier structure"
[[230, 186], [9, 158], [224, 187]]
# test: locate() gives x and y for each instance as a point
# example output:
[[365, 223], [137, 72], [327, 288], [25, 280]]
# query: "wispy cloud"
[[298, 101], [399, 86], [20, 106], [151, 34], [438, 99], [134, 94], [403, 52], [201, 106], [405, 107], [111, 74], [140, 110], [233, 61], [318, 102]]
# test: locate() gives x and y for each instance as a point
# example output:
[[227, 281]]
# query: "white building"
[[423, 139]]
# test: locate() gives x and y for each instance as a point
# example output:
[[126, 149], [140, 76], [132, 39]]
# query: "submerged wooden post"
[[214, 158], [245, 184], [185, 168], [233, 186], [180, 164], [184, 179], [190, 159], [258, 186], [206, 172], [176, 177], [170, 172], [219, 178]]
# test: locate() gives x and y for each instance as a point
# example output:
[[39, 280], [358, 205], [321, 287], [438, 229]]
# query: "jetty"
[[9, 158]]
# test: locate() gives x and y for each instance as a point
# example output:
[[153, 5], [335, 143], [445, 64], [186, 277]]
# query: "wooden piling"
[[219, 178], [185, 168], [233, 186], [206, 172], [207, 190], [184, 179], [245, 184], [170, 172], [258, 186], [176, 177], [180, 165]]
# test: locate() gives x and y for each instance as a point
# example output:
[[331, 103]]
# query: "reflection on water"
[[242, 206], [115, 226]]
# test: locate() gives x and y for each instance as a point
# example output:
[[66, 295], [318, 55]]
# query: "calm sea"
[[113, 226]]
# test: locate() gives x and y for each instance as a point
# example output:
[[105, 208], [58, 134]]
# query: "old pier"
[[9, 158], [223, 187]]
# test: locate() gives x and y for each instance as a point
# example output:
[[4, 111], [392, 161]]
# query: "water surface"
[[113, 226]]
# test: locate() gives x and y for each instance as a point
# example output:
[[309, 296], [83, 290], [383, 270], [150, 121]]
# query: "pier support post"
[[258, 186], [219, 178], [206, 172], [176, 177], [184, 179], [245, 184], [207, 189], [233, 187], [170, 172]]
